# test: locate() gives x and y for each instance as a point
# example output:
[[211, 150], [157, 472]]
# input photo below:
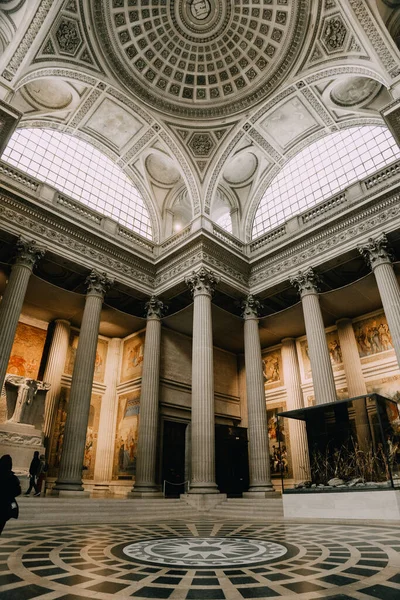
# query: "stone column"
[[259, 462], [108, 416], [54, 370], [202, 286], [27, 255], [145, 484], [355, 380], [321, 367], [294, 395], [378, 254], [70, 474]]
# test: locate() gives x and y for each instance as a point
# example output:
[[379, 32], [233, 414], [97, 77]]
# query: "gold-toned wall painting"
[[91, 435], [389, 387], [272, 367], [27, 351], [101, 357], [279, 443], [126, 435], [372, 335], [335, 353], [132, 357]]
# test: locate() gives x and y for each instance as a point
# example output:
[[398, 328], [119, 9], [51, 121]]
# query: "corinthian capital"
[[98, 283], [306, 282], [155, 308], [202, 282], [376, 252], [251, 307], [28, 253]]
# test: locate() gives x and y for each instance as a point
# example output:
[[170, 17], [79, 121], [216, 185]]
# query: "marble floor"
[[200, 560]]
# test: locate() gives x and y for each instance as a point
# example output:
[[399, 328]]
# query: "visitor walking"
[[34, 471], [44, 467], [9, 489]]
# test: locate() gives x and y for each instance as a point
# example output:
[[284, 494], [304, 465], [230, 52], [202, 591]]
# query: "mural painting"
[[272, 367], [91, 435], [335, 354], [279, 444], [27, 351], [389, 387], [127, 435], [372, 335], [132, 357], [101, 356]]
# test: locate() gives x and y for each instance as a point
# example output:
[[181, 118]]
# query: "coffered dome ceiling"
[[201, 58]]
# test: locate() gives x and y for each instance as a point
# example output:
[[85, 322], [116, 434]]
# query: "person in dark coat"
[[34, 471], [9, 489]]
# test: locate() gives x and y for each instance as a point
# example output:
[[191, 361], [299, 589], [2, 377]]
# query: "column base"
[[259, 493], [101, 490], [203, 488], [67, 486], [145, 494], [70, 493], [203, 502]]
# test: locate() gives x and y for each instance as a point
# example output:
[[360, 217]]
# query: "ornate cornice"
[[98, 284], [251, 307], [306, 282], [155, 308], [28, 253], [202, 282], [376, 251]]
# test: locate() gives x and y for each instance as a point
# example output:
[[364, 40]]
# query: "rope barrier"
[[173, 483]]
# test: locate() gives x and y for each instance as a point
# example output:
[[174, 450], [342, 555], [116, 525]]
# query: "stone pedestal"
[[321, 367], [259, 463], [203, 428]]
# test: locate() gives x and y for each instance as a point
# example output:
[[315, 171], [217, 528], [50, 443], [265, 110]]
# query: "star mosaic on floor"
[[201, 561]]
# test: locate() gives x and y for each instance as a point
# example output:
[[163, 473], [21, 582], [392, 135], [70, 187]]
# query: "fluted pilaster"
[[259, 463], [53, 373], [321, 367], [70, 473], [13, 298], [145, 484], [355, 380], [106, 436], [294, 401], [203, 429], [378, 254]]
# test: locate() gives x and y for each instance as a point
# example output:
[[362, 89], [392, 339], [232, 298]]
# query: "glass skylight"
[[225, 222], [324, 168], [80, 171]]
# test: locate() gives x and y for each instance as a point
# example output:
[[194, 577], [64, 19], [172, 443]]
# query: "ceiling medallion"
[[200, 58]]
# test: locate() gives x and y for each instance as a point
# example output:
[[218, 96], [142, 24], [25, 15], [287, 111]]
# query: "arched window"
[[80, 171], [324, 168]]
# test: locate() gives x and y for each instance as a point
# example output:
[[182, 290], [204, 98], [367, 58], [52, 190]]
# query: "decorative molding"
[[18, 439], [98, 284], [202, 282], [376, 251], [251, 307], [306, 282], [28, 253], [155, 308]]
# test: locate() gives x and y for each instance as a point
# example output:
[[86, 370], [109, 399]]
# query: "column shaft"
[[70, 473], [145, 484], [53, 373], [203, 427], [390, 295], [297, 429], [108, 415], [259, 463]]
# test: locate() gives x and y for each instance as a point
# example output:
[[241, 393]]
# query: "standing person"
[[9, 489], [42, 473], [34, 470]]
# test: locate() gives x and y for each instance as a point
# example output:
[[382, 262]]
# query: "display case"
[[353, 445]]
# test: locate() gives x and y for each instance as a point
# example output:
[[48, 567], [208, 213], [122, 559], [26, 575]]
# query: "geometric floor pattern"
[[201, 561]]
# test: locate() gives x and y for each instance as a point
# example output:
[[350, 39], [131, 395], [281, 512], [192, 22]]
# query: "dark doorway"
[[232, 464], [173, 458]]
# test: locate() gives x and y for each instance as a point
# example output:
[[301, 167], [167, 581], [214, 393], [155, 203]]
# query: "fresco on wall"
[[100, 362], [279, 456], [335, 353], [272, 367], [91, 435], [132, 357], [386, 386], [127, 435], [372, 335], [27, 351]]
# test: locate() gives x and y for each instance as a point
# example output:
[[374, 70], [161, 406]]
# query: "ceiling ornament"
[[201, 58], [352, 91]]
